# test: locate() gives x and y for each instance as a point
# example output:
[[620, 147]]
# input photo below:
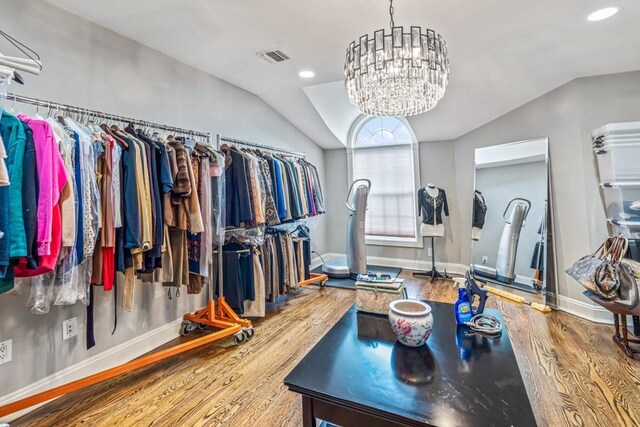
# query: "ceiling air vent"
[[273, 56]]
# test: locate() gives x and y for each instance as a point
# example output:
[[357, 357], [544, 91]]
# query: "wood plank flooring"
[[573, 373]]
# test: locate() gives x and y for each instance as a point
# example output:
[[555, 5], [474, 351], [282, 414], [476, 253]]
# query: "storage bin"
[[613, 140], [622, 201], [619, 162], [376, 297], [623, 128], [628, 229]]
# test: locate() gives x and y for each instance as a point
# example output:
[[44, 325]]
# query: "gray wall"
[[89, 66], [566, 115], [436, 165], [498, 186]]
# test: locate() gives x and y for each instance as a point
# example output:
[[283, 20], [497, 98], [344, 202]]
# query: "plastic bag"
[[218, 207], [41, 293]]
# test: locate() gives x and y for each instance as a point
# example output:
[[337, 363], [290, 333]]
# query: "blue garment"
[[131, 220], [77, 167], [15, 141], [238, 194], [277, 182], [166, 179]]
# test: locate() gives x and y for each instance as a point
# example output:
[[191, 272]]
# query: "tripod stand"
[[434, 274]]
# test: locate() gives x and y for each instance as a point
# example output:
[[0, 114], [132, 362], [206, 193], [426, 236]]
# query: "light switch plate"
[[5, 352], [429, 253], [69, 328]]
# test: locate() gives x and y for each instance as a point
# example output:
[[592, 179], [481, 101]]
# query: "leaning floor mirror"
[[512, 244]]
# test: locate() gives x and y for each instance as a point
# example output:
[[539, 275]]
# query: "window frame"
[[418, 241]]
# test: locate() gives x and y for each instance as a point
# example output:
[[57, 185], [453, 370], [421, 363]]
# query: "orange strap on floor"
[[114, 372]]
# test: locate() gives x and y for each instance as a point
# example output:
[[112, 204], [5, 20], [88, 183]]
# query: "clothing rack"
[[223, 139], [319, 279], [217, 313], [107, 116]]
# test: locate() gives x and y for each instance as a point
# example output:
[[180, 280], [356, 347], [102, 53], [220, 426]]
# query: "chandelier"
[[397, 73]]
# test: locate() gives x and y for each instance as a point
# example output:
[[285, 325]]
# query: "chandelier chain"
[[392, 23]]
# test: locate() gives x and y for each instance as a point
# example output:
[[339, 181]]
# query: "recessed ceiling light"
[[601, 14], [306, 74]]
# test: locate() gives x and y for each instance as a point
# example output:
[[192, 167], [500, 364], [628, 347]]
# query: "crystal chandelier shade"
[[397, 73]]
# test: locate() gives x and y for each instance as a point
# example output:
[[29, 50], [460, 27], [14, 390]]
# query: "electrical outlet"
[[429, 253], [69, 328], [5, 352], [485, 259]]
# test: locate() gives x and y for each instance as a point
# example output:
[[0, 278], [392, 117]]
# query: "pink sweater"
[[52, 177]]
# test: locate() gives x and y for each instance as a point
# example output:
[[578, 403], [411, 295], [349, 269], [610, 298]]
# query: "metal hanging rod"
[[99, 114], [223, 139]]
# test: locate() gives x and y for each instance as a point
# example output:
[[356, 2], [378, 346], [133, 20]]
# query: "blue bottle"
[[463, 307]]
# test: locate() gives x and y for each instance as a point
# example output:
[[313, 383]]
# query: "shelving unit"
[[616, 148]]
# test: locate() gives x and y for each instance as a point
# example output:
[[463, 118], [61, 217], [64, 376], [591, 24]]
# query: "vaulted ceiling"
[[503, 53]]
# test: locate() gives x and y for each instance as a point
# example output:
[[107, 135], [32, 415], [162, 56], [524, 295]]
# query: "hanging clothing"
[[479, 210], [237, 195], [12, 133], [479, 215], [278, 188], [257, 306]]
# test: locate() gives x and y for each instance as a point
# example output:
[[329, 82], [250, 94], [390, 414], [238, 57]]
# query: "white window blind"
[[388, 163]]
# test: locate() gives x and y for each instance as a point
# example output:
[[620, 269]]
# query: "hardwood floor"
[[573, 373]]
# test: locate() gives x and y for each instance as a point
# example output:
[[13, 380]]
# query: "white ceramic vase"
[[411, 321]]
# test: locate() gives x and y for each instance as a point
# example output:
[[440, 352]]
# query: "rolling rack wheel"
[[323, 283], [202, 326], [248, 333], [238, 338], [186, 328]]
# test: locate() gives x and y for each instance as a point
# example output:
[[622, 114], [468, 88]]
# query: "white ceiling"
[[503, 53]]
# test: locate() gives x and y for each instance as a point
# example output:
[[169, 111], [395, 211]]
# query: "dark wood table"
[[358, 375]]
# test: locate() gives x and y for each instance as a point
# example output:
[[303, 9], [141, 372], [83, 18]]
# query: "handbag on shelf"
[[602, 272]]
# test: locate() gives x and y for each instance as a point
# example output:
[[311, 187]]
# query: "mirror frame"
[[548, 291]]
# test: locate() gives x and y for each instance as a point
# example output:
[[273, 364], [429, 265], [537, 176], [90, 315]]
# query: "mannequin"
[[479, 214], [432, 204], [432, 207]]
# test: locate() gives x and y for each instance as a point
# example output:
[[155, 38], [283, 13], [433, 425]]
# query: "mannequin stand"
[[433, 274]]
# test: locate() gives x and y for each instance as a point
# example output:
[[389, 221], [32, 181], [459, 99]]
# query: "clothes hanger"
[[59, 117], [32, 64], [110, 131]]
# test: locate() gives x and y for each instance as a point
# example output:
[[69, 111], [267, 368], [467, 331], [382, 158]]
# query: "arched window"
[[384, 150]]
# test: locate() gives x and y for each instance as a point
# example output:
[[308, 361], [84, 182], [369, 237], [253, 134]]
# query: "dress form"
[[432, 204]]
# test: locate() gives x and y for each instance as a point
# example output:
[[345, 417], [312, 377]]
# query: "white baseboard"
[[107, 359], [405, 263], [585, 310]]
